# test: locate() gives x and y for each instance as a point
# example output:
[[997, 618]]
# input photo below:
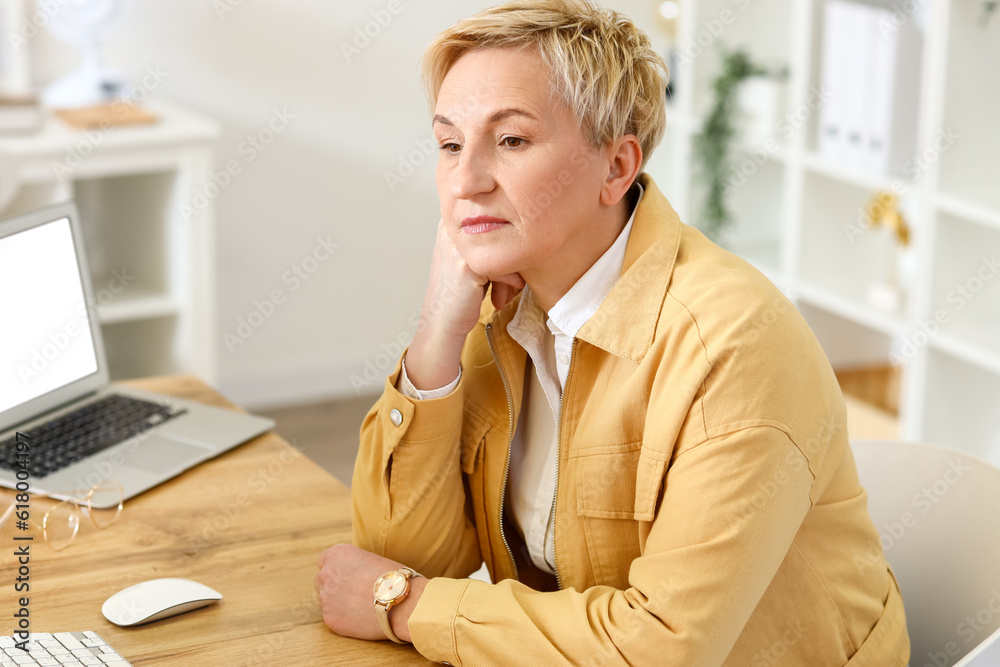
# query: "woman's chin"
[[489, 264]]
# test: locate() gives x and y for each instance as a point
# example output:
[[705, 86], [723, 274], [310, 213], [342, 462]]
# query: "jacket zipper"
[[555, 494], [510, 439]]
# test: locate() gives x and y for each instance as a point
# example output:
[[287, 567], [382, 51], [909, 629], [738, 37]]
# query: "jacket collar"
[[625, 323]]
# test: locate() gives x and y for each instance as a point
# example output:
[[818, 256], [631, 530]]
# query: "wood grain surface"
[[250, 524]]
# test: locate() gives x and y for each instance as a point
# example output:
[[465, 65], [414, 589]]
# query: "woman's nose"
[[473, 175]]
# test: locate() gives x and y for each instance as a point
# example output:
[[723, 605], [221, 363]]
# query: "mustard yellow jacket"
[[707, 511]]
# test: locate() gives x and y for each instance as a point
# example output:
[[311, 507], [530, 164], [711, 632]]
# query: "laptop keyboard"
[[85, 431], [69, 649]]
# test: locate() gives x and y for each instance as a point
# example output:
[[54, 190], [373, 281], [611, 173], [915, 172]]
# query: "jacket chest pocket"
[[617, 490], [617, 481]]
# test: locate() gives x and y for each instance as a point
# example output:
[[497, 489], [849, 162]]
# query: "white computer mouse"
[[155, 599]]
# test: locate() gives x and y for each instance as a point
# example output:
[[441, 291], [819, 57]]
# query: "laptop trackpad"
[[160, 455]]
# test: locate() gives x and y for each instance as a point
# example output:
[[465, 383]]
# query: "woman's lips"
[[482, 224]]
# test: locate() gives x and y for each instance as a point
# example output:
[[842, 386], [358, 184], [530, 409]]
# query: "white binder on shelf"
[[904, 122], [880, 91], [855, 75], [871, 68], [832, 120]]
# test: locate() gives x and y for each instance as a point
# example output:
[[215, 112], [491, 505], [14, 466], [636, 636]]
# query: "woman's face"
[[518, 182]]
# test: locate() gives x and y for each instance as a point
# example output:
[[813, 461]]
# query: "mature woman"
[[633, 429]]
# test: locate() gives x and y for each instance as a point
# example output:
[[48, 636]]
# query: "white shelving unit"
[[791, 213], [152, 263]]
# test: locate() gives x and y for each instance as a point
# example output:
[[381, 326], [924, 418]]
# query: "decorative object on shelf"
[[989, 6], [883, 211], [713, 143], [106, 115], [760, 100], [85, 23]]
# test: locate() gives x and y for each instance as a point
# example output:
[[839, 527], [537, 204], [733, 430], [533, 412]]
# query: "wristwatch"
[[390, 589]]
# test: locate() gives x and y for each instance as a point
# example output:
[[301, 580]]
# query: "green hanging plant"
[[712, 144], [989, 6]]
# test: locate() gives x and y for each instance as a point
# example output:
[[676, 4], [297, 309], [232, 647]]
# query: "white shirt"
[[548, 340]]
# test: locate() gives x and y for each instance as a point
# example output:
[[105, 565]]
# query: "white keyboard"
[[61, 649]]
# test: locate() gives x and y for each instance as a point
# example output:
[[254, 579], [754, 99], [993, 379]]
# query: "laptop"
[[987, 654], [55, 391]]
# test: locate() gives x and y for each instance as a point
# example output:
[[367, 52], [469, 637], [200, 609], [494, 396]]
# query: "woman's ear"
[[625, 161]]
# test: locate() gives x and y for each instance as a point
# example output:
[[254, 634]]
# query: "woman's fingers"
[[450, 311], [504, 289]]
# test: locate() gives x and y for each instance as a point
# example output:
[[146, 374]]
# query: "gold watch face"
[[390, 586]]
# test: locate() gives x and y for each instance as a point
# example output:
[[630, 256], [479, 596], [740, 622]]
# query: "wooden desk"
[[250, 524]]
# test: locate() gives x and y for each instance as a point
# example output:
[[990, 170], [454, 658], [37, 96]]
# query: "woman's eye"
[[513, 142], [450, 148]]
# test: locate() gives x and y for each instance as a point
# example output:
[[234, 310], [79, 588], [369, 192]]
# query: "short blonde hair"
[[602, 66]]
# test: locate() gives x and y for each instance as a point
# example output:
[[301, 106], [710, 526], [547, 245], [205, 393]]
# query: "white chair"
[[938, 513]]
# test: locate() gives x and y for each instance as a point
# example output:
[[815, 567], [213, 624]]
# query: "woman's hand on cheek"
[[454, 292], [451, 309]]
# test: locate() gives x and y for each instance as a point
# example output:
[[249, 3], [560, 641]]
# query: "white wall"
[[324, 175]]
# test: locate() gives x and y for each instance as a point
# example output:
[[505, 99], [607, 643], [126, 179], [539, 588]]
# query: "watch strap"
[[383, 619]]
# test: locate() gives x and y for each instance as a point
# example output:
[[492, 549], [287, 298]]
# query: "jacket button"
[[396, 417]]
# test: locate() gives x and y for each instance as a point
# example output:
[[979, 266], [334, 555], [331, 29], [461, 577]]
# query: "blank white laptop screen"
[[45, 340]]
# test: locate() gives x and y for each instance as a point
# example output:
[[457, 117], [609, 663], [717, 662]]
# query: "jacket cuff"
[[414, 420], [432, 623]]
